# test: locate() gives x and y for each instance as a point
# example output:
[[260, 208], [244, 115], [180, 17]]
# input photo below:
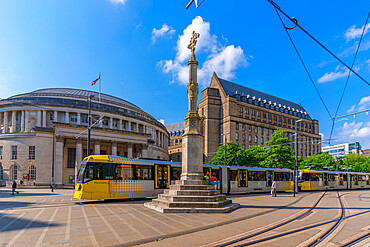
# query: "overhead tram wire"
[[277, 7], [308, 73], [349, 73]]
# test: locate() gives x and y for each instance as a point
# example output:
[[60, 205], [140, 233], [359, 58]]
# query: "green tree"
[[232, 149], [355, 163], [279, 154], [250, 157], [321, 161]]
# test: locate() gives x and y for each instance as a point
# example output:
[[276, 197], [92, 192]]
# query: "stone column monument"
[[192, 194]]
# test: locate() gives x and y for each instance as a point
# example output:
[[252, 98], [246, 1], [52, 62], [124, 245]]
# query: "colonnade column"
[[55, 119], [137, 127], [129, 150], [26, 124], [144, 151], [114, 148], [5, 130], [67, 117], [78, 156], [22, 121], [43, 118], [14, 123], [59, 160], [129, 126], [111, 123], [79, 118], [120, 124], [97, 147], [100, 122], [38, 121]]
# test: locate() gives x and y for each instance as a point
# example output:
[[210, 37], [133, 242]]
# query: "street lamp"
[[225, 144], [295, 177]]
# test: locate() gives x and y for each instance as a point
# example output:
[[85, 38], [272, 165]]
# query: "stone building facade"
[[250, 117], [27, 123], [176, 131]]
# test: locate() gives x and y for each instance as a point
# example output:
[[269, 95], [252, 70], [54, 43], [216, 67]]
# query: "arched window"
[[1, 172], [32, 172], [14, 172]]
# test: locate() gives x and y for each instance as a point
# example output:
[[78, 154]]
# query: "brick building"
[[176, 131], [250, 117]]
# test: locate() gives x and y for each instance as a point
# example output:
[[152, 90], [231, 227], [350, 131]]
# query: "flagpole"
[[99, 86]]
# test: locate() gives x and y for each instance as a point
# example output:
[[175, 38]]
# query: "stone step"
[[192, 187], [171, 198], [224, 209], [168, 204], [192, 192], [191, 182]]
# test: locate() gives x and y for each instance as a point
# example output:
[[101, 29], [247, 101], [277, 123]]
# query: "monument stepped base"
[[194, 196]]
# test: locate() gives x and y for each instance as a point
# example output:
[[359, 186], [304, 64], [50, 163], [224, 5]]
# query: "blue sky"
[[138, 46]]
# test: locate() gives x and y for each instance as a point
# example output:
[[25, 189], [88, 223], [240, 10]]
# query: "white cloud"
[[365, 45], [355, 131], [222, 59], [117, 1], [364, 103], [161, 121], [138, 26], [351, 109], [353, 32], [332, 76], [165, 30]]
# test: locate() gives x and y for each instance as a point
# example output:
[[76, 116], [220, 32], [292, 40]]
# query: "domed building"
[[28, 122]]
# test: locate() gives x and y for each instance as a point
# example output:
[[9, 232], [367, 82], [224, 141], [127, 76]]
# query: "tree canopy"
[[355, 163], [232, 149], [321, 161]]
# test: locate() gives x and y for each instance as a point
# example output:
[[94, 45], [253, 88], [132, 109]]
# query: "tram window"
[[345, 177], [176, 173], [217, 172], [306, 176], [99, 172], [234, 175], [361, 177], [124, 172], [281, 176], [332, 177], [316, 177], [89, 173], [144, 172], [81, 172], [256, 176], [242, 178]]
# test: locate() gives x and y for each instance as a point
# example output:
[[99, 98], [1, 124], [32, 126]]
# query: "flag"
[[92, 83]]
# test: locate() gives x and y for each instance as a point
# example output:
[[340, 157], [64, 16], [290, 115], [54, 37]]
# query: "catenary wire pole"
[[89, 126]]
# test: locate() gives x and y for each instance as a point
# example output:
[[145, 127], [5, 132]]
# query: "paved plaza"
[[37, 217]]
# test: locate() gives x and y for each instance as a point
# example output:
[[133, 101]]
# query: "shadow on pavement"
[[7, 193], [12, 205], [14, 224]]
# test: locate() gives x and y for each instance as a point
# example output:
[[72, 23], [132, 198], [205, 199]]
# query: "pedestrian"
[[273, 188], [206, 177], [14, 186], [213, 181]]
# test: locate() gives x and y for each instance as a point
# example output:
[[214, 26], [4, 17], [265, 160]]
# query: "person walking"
[[273, 188], [14, 186]]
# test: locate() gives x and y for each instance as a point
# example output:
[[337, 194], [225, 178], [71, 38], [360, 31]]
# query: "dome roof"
[[76, 93]]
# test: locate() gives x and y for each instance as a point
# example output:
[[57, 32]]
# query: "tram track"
[[337, 221], [273, 227], [357, 240]]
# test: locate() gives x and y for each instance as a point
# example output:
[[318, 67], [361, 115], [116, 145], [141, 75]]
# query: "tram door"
[[270, 177], [162, 176], [325, 179]]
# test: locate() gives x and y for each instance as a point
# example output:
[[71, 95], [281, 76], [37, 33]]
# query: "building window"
[[1, 172], [14, 152], [274, 118], [246, 110], [252, 112], [279, 119], [71, 158], [264, 115], [288, 121], [261, 140], [237, 136], [250, 138], [63, 117], [255, 139], [287, 135], [256, 129], [84, 119], [243, 146], [305, 146], [31, 152], [237, 126], [14, 173], [258, 114], [250, 128], [301, 146], [115, 123], [269, 116], [261, 130], [243, 137], [243, 126], [32, 172], [284, 120], [1, 152], [74, 119], [267, 131], [105, 122], [51, 116]]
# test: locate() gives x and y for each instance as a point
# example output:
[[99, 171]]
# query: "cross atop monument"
[[193, 41]]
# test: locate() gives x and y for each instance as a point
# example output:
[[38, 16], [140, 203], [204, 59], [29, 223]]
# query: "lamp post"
[[295, 177], [225, 145], [53, 162], [89, 125]]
